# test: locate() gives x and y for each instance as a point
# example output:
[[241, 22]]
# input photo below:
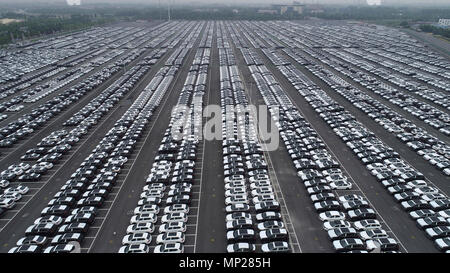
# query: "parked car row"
[[319, 171], [31, 64], [51, 149], [403, 81], [253, 211], [393, 44], [408, 186], [22, 62], [73, 209], [38, 116], [27, 82], [169, 185], [365, 42], [117, 36], [57, 85], [91, 112], [423, 111], [436, 151]]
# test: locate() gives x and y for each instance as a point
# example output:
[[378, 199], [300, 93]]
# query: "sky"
[[398, 2]]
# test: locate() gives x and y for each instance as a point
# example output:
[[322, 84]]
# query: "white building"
[[444, 22]]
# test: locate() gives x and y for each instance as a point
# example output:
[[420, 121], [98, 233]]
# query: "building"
[[73, 2], [314, 9], [444, 22], [293, 8], [268, 11]]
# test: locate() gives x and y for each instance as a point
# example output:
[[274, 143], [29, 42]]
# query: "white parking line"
[[73, 153], [343, 167], [274, 175], [137, 155], [202, 157], [426, 179]]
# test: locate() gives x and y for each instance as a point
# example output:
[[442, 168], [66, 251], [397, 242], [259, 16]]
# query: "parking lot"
[[104, 146]]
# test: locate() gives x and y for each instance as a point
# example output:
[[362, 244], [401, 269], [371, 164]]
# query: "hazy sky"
[[423, 2]]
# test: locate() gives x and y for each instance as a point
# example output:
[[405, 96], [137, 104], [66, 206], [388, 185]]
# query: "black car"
[[59, 210], [74, 228], [67, 237], [47, 230]]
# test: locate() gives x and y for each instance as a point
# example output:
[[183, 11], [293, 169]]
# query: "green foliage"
[[436, 30], [404, 24], [384, 13], [34, 26]]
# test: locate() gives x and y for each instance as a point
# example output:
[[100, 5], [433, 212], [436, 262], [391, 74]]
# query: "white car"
[[329, 225], [417, 183], [268, 215], [340, 185], [143, 218], [172, 227], [169, 248], [263, 198], [141, 228], [241, 247], [235, 191], [262, 191], [234, 184], [152, 193], [154, 186], [259, 177], [348, 244], [177, 208], [240, 222], [318, 197], [264, 235], [237, 207], [47, 165], [11, 195], [238, 216], [151, 208], [170, 237], [277, 246], [174, 217], [445, 214], [232, 178], [18, 189], [50, 219], [438, 232], [373, 234], [375, 166], [17, 171], [426, 190], [137, 238], [141, 248], [259, 184], [237, 199], [446, 171], [373, 244], [331, 215], [367, 224], [4, 183], [432, 196]]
